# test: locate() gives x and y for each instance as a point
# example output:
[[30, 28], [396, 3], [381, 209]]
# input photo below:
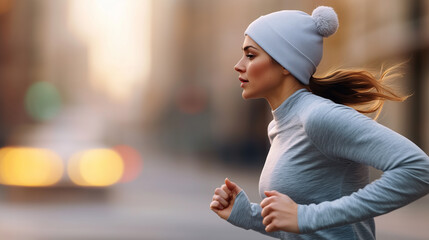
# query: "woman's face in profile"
[[259, 74]]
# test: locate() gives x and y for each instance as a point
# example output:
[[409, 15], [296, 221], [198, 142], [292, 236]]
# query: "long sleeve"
[[319, 156], [247, 215], [344, 135]]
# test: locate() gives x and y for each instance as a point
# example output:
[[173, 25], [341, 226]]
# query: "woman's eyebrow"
[[249, 46]]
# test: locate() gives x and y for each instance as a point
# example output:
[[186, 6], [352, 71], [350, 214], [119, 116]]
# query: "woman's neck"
[[290, 85]]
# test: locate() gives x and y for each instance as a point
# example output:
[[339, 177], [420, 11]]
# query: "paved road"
[[169, 201]]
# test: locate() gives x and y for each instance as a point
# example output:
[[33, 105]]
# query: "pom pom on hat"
[[326, 20]]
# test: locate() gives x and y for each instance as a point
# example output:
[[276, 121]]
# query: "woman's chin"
[[245, 95]]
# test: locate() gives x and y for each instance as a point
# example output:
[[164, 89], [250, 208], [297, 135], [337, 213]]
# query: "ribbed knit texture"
[[319, 156]]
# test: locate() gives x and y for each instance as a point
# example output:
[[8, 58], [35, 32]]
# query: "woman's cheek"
[[256, 70]]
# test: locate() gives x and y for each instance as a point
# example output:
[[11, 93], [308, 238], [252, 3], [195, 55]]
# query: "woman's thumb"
[[271, 193], [231, 185]]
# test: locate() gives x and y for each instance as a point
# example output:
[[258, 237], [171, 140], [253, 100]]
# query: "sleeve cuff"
[[240, 215], [302, 219]]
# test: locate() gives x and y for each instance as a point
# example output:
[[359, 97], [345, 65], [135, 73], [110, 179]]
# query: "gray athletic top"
[[319, 155]]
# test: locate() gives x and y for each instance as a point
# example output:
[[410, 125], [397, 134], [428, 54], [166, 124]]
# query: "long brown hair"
[[359, 89]]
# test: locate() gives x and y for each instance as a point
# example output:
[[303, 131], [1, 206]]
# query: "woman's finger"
[[267, 201], [226, 189], [221, 200], [215, 206], [267, 210], [272, 227], [221, 193], [268, 219]]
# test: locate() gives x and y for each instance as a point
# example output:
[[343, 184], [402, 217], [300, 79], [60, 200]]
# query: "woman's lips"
[[243, 82]]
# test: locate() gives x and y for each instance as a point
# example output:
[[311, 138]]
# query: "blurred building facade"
[[197, 43], [190, 100]]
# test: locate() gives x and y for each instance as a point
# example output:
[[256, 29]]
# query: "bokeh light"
[[96, 167], [119, 48], [42, 101], [31, 167], [133, 163]]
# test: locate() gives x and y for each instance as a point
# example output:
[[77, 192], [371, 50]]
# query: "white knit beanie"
[[295, 39]]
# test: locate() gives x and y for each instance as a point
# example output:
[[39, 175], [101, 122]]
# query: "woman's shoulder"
[[324, 114]]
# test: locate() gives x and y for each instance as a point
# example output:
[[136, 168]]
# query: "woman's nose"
[[239, 67]]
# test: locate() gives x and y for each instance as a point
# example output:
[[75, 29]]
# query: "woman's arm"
[[343, 134]]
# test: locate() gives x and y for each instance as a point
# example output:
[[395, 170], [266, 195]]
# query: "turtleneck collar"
[[282, 111]]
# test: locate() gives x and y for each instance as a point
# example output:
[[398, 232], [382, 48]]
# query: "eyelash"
[[250, 56]]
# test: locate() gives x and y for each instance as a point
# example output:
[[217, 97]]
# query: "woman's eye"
[[250, 56]]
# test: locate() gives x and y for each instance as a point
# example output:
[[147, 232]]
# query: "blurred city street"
[[119, 118], [168, 201]]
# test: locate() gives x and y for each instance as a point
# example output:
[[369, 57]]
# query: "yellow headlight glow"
[[31, 167], [96, 167]]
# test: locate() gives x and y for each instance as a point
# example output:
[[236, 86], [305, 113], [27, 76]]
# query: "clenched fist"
[[223, 199], [280, 213]]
